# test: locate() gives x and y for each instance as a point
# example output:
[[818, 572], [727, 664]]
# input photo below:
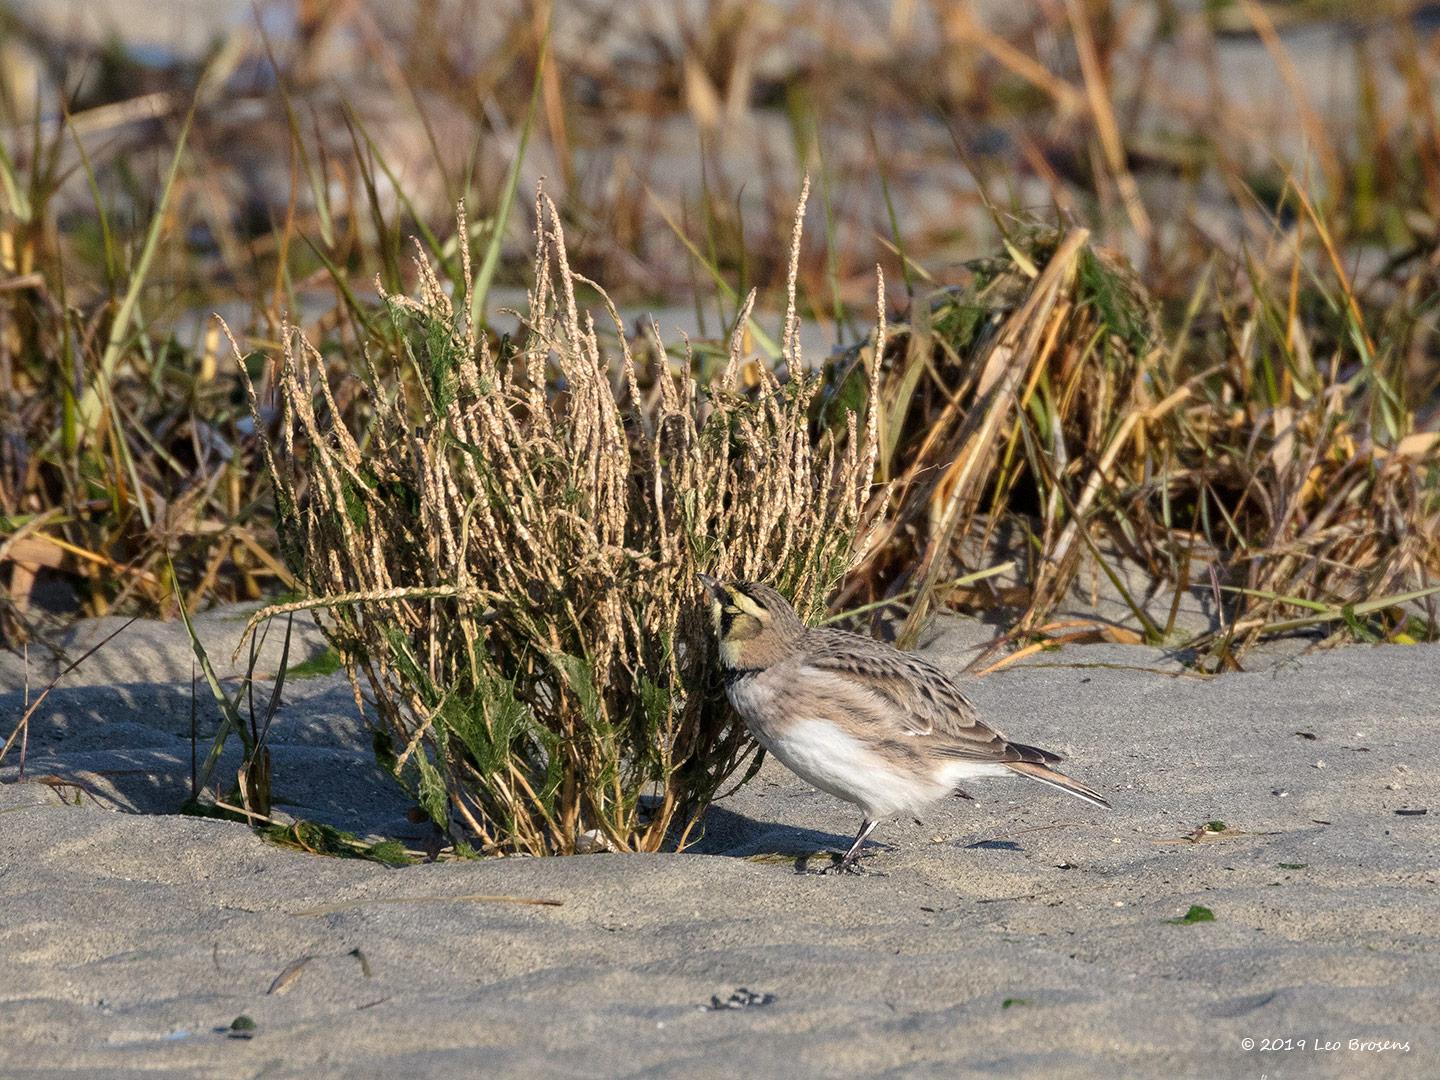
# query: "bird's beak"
[[713, 587]]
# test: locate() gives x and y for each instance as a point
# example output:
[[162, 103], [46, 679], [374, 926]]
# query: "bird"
[[857, 718]]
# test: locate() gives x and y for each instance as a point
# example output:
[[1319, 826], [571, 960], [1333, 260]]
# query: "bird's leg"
[[853, 855]]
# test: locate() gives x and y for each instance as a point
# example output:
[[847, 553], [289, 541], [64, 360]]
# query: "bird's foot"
[[848, 864]]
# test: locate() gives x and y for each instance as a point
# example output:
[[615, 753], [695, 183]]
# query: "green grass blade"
[[481, 287], [352, 302], [107, 236], [15, 195], [766, 343], [1313, 605], [120, 327], [318, 189], [229, 711], [1343, 613], [427, 235], [896, 239]]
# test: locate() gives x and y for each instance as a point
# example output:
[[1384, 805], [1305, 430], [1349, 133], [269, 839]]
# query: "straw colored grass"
[[1276, 465], [125, 448], [506, 555]]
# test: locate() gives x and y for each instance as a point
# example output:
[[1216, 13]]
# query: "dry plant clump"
[[1022, 379], [1042, 403], [507, 554], [122, 453]]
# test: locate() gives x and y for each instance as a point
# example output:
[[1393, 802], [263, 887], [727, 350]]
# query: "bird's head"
[[755, 626]]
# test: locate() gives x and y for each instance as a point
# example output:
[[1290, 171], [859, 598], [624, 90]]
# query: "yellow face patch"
[[738, 619], [737, 616]]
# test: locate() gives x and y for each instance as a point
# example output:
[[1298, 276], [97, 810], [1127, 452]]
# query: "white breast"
[[824, 755]]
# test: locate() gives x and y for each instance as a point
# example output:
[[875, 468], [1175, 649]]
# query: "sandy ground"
[[1023, 934]]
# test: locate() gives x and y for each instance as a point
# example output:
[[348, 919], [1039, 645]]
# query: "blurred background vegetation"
[[1230, 383]]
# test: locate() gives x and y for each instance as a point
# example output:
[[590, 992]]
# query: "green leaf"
[[432, 795], [326, 663], [491, 723], [1356, 627], [580, 678], [1197, 914]]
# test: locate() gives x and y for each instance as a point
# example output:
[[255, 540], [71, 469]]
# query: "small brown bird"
[[885, 730]]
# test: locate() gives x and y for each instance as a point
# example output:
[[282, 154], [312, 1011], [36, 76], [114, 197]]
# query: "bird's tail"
[[1046, 775]]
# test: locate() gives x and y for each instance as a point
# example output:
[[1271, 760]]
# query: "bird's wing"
[[907, 691]]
